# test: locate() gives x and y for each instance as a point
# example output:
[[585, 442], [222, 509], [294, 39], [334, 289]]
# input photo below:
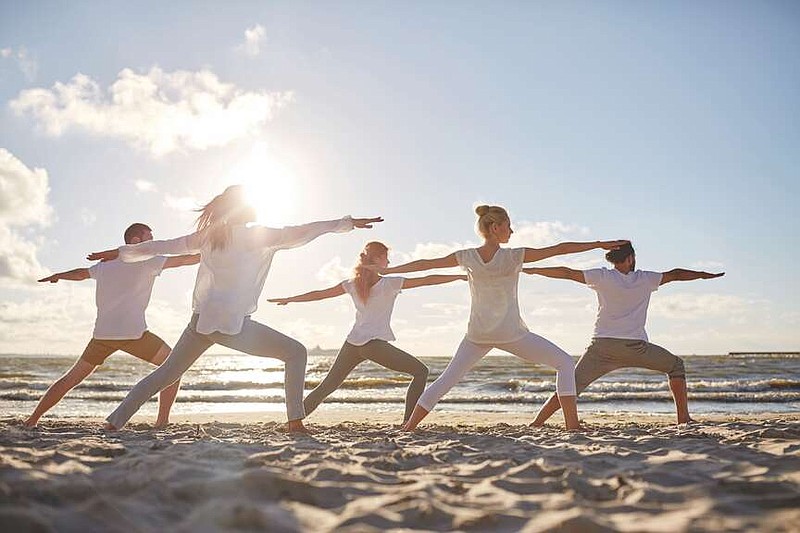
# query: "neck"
[[490, 244], [623, 268]]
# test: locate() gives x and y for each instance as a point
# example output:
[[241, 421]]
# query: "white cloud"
[[25, 61], [23, 193], [185, 204], [51, 318], [23, 204], [158, 112], [691, 306], [333, 271], [18, 262], [145, 186], [253, 39], [88, 217]]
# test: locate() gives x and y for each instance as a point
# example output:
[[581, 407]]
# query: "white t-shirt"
[[494, 316], [229, 280], [622, 300], [122, 294], [373, 317]]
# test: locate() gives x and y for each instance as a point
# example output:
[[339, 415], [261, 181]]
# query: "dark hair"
[[135, 230], [620, 254]]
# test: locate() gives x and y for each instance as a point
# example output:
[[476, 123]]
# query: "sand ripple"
[[68, 476]]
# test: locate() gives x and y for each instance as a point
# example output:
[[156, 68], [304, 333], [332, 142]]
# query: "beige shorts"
[[145, 347], [605, 355]]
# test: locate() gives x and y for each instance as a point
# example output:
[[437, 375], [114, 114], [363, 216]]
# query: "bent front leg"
[[346, 360]]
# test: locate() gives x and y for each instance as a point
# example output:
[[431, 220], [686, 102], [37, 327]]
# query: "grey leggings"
[[253, 339], [384, 354]]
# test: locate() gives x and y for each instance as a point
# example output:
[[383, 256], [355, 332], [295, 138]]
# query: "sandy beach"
[[459, 472]]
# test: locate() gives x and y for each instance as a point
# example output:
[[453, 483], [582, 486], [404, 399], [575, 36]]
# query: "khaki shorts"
[[145, 347], [605, 355]]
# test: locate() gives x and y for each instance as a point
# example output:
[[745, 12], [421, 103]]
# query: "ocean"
[[740, 383]]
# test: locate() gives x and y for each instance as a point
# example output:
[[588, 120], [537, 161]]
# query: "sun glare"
[[269, 185]]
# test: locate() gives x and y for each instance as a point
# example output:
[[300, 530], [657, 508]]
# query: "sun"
[[269, 185]]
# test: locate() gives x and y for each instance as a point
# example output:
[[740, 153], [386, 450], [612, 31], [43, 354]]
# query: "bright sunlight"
[[269, 185]]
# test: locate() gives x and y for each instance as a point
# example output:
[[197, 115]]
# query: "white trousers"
[[531, 348]]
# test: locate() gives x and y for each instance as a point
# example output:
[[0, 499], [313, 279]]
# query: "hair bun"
[[481, 210]]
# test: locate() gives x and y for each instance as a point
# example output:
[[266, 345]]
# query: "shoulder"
[[465, 256], [393, 282], [517, 254], [649, 276], [593, 276]]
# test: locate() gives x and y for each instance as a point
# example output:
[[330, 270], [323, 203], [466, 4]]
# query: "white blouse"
[[373, 317], [494, 315]]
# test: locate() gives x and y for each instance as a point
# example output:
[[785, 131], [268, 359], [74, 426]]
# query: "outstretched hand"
[[709, 275], [280, 301], [105, 255], [52, 278], [614, 245], [366, 222]]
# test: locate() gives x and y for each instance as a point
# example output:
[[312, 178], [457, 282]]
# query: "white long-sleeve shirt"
[[230, 280]]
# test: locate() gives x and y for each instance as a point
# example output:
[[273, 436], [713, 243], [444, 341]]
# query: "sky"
[[673, 124]]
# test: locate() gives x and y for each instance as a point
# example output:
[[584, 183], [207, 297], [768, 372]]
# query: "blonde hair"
[[364, 278], [222, 212], [488, 215]]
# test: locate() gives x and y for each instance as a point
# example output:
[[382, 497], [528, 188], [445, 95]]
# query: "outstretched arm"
[[296, 236], [681, 274], [557, 273], [411, 283], [537, 254], [78, 274], [313, 296], [132, 253], [182, 260], [420, 264]]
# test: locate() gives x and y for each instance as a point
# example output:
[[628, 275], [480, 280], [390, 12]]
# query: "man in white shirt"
[[620, 340], [122, 295]]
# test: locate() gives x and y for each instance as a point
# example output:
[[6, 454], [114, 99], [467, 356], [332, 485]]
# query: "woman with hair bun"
[[235, 258], [373, 296], [495, 322]]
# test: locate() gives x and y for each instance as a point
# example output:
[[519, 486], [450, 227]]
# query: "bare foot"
[[296, 426], [30, 423], [160, 424], [687, 421], [536, 424], [108, 426]]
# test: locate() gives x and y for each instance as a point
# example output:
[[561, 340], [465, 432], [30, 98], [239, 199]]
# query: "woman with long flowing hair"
[[373, 297], [235, 258], [495, 322]]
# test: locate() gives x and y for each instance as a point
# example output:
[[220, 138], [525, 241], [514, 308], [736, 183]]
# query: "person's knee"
[[161, 356], [565, 364], [298, 354], [678, 370], [420, 372]]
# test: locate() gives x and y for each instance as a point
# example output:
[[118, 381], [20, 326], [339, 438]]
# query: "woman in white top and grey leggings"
[[494, 321], [373, 297], [235, 257]]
